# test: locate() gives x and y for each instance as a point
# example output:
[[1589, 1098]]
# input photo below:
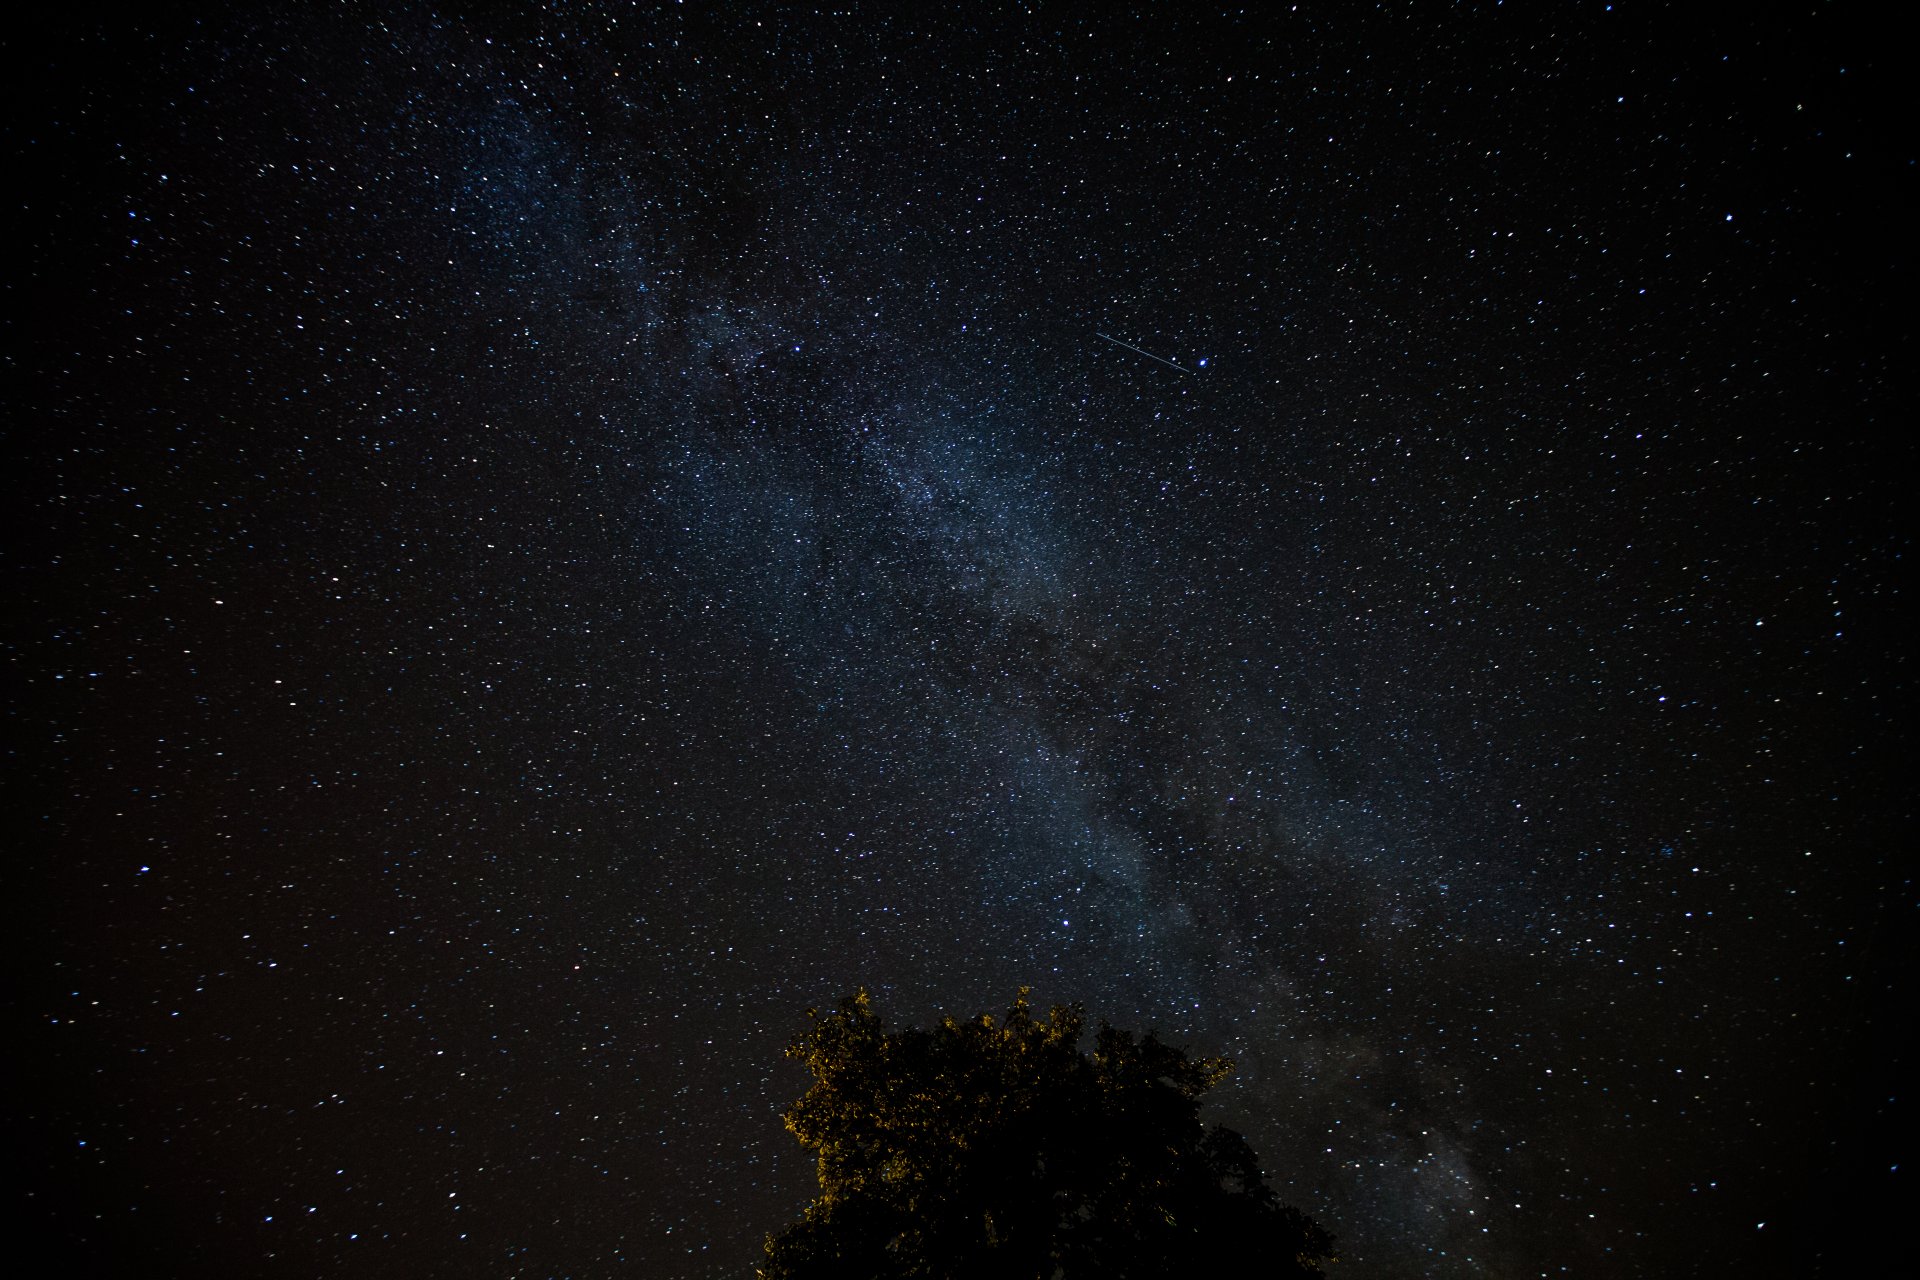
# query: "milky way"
[[546, 545]]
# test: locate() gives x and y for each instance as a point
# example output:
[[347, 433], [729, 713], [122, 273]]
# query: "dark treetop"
[[998, 1149]]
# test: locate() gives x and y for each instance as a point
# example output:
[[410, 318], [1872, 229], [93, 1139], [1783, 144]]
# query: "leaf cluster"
[[997, 1147]]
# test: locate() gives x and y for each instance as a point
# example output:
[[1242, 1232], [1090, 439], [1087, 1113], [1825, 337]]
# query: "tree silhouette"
[[997, 1148]]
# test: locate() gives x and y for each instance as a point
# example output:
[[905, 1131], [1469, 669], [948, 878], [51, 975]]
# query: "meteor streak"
[[1148, 354]]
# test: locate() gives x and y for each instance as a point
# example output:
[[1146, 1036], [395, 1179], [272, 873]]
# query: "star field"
[[545, 544]]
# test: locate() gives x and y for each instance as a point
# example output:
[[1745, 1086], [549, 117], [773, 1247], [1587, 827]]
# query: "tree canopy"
[[998, 1148]]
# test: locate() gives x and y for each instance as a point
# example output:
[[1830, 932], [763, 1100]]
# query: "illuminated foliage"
[[997, 1148]]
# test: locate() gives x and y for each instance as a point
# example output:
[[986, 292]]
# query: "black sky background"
[[544, 542]]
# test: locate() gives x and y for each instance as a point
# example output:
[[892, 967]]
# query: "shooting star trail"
[[1148, 354]]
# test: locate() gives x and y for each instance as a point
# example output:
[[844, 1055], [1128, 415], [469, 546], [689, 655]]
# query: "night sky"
[[543, 543]]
